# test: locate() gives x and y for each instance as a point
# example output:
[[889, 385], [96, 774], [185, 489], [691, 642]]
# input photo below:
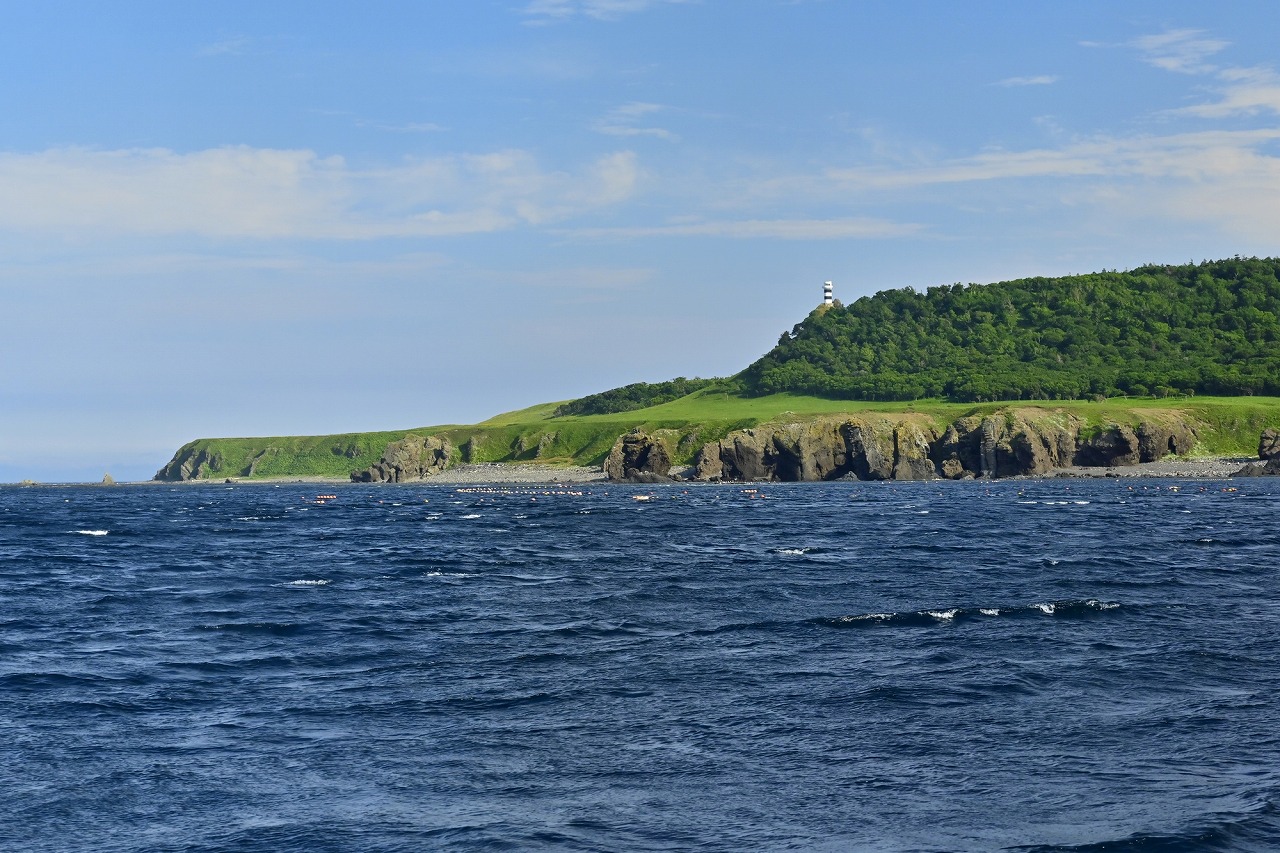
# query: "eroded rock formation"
[[1015, 442], [190, 463], [413, 457], [638, 457]]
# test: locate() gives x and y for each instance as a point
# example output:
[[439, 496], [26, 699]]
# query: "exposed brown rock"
[[1269, 444], [638, 457], [413, 457]]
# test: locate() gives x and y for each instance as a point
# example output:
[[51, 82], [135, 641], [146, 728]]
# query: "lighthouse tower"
[[827, 297]]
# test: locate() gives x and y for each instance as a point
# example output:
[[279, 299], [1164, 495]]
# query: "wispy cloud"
[[778, 229], [1242, 91], [256, 193], [1190, 156], [1238, 91], [226, 47], [1184, 51], [601, 10], [1038, 80], [625, 121]]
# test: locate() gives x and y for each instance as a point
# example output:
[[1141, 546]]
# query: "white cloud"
[[1244, 91], [1190, 156], [778, 229], [1184, 51], [1223, 180], [601, 10], [242, 192], [624, 121], [1038, 80]]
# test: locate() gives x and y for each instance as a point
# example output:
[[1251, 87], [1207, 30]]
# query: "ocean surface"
[[1014, 665]]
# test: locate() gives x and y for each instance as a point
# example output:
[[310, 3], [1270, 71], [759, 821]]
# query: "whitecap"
[[943, 614], [92, 532], [793, 552], [307, 582], [1081, 503], [472, 515], [1046, 608], [989, 611]]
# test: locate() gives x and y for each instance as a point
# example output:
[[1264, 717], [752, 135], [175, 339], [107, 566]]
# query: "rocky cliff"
[[413, 457], [190, 463], [1005, 444], [638, 457]]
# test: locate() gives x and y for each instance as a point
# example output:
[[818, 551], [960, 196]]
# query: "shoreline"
[[1207, 468]]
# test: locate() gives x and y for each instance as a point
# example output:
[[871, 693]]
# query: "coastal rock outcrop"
[[190, 463], [1268, 455], [638, 457], [1009, 443], [1269, 444], [413, 457], [1005, 445], [820, 450]]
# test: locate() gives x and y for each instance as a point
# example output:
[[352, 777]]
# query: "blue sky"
[[304, 218]]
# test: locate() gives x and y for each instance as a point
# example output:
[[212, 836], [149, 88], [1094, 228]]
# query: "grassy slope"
[[1231, 427]]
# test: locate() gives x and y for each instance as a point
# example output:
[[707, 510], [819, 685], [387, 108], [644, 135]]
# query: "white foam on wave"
[[943, 614], [92, 532], [793, 552], [989, 611], [472, 515], [866, 617], [1046, 608], [307, 582], [446, 575]]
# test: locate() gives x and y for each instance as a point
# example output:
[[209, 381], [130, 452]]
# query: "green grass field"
[[1227, 426]]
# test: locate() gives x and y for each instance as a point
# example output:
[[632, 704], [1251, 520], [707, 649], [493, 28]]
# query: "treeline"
[[629, 398], [1209, 328]]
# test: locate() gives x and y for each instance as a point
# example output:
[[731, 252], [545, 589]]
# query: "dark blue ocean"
[[1030, 665]]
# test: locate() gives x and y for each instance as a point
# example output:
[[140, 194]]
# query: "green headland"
[[1197, 342]]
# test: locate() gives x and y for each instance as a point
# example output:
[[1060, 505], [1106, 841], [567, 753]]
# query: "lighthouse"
[[827, 297]]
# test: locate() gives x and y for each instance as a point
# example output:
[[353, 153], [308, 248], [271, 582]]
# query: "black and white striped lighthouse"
[[827, 297]]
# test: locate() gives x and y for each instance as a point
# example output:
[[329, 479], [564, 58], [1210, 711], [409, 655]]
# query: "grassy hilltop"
[[1200, 340]]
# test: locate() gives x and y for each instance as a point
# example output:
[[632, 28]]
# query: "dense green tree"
[[1211, 328]]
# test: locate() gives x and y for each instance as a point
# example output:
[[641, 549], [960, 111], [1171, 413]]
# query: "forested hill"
[[1210, 328]]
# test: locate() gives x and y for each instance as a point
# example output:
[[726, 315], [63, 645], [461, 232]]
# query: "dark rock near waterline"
[[820, 450], [638, 457], [1268, 455], [413, 457], [1006, 444], [1268, 468], [1269, 444]]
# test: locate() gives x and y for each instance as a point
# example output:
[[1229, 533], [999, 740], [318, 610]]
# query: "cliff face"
[[411, 458], [190, 463], [638, 457], [1012, 443]]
